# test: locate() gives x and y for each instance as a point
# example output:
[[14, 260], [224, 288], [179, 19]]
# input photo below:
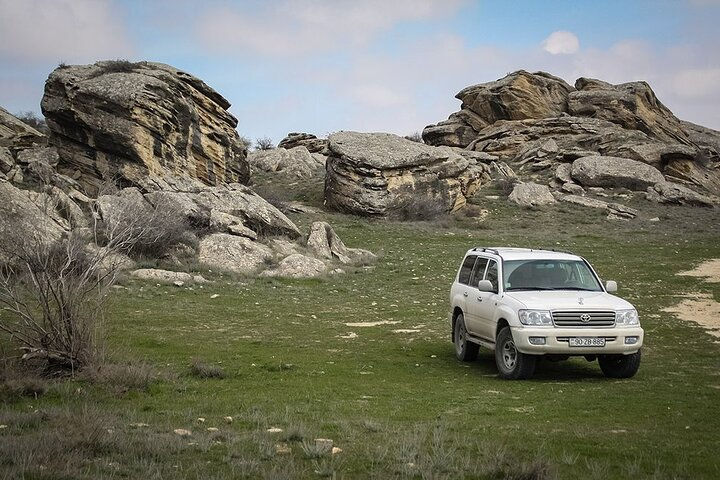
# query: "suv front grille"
[[584, 318]]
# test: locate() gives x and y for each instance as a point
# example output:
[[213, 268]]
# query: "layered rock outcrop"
[[296, 162], [312, 143], [376, 173], [138, 123], [537, 122]]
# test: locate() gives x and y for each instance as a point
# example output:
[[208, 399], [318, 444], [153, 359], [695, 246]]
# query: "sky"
[[321, 66]]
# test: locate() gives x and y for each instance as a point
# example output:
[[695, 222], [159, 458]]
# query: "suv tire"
[[512, 364], [620, 366], [465, 350]]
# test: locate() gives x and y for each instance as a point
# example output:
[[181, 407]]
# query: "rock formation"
[[295, 162], [307, 140], [138, 124], [376, 173], [536, 122]]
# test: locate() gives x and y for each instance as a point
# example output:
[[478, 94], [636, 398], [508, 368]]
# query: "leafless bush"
[[264, 143], [141, 230], [54, 291], [414, 137], [35, 121]]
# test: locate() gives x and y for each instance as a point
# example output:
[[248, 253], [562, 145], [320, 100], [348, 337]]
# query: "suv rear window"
[[466, 269]]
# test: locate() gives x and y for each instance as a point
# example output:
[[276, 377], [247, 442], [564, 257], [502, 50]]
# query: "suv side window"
[[466, 269], [478, 271], [492, 275]]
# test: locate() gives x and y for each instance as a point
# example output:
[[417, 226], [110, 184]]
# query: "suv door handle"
[[479, 299], [465, 294]]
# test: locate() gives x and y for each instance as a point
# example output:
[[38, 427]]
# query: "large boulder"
[[232, 253], [377, 173], [239, 201], [633, 106], [128, 122], [518, 96], [295, 162], [325, 243], [615, 172], [16, 133], [531, 195], [27, 220]]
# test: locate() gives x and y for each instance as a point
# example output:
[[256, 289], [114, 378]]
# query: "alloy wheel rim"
[[509, 355]]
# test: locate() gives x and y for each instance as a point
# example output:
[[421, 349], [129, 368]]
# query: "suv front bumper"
[[623, 340]]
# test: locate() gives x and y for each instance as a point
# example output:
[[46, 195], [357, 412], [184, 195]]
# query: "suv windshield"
[[549, 275]]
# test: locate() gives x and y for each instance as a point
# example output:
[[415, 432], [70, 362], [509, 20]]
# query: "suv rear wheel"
[[512, 364], [620, 366], [465, 350]]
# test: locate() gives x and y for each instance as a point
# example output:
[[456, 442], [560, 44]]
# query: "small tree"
[[54, 288], [264, 143]]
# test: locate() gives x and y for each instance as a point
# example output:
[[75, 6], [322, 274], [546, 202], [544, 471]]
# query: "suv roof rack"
[[483, 249]]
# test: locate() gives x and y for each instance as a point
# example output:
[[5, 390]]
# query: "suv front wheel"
[[465, 350], [512, 364], [620, 366]]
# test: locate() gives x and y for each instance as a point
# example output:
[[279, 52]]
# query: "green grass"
[[398, 404]]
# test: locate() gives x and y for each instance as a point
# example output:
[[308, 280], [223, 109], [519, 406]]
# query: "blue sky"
[[320, 66]]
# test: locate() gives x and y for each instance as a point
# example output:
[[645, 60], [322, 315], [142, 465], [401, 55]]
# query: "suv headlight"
[[540, 318], [627, 317]]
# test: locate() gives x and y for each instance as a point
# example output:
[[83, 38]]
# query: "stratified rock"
[[325, 243], [236, 254], [667, 192], [374, 173], [615, 172], [26, 221], [615, 210], [237, 200], [531, 195], [517, 96], [575, 137], [130, 122], [633, 106], [307, 140], [17, 134], [297, 266], [295, 162], [225, 223]]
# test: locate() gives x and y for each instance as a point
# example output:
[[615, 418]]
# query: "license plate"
[[586, 342]]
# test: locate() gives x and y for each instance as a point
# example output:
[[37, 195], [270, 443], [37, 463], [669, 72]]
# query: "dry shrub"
[[418, 208], [201, 369]]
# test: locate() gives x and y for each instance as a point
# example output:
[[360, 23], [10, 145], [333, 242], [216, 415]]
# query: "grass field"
[[293, 356]]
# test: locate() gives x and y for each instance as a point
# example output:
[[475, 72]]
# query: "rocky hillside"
[[540, 126]]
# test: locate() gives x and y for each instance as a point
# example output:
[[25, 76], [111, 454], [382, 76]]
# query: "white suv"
[[524, 303]]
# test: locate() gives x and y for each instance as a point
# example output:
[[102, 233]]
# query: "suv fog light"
[[538, 340], [631, 340]]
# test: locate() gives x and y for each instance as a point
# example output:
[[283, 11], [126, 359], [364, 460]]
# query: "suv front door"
[[481, 305]]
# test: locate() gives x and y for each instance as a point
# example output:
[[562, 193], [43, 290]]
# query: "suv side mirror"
[[485, 286], [611, 286]]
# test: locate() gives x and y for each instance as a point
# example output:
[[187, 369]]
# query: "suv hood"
[[568, 300]]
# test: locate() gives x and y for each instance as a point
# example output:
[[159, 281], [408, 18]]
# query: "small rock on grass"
[[182, 432]]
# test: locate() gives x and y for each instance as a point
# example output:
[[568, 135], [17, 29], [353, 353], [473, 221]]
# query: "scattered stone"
[[673, 193], [182, 432], [324, 444], [213, 429], [165, 276], [274, 430], [325, 243], [139, 425], [214, 295], [573, 188], [615, 210], [336, 450], [531, 195], [228, 419]]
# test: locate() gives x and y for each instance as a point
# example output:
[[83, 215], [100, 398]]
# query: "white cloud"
[[298, 27], [61, 30], [561, 43]]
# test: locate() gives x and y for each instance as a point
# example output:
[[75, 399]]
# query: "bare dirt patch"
[[710, 270], [701, 308]]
